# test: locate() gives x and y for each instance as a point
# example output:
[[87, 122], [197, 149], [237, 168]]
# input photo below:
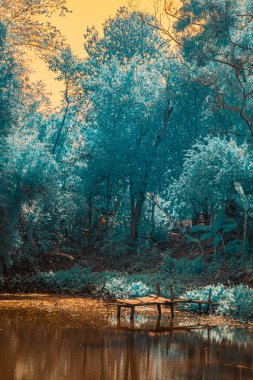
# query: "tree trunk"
[[89, 213], [196, 218], [152, 219], [136, 205], [108, 203], [63, 119], [136, 211]]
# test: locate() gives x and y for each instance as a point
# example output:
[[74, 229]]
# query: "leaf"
[[216, 240], [190, 238], [234, 242], [207, 235], [230, 227], [239, 203], [233, 246], [200, 228], [217, 224]]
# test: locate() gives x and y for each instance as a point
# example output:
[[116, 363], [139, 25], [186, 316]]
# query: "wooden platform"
[[154, 299]]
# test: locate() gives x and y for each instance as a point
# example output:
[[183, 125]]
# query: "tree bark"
[[63, 119], [89, 213], [152, 219], [136, 212], [136, 205]]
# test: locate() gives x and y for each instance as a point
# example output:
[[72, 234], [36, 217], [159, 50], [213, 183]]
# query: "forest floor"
[[182, 265], [171, 263]]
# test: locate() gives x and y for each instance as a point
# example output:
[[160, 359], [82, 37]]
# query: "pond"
[[33, 348]]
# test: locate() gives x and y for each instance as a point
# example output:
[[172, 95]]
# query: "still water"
[[31, 349]]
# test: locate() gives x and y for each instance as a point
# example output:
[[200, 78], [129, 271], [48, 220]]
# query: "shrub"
[[235, 302], [241, 303], [75, 280], [184, 266], [127, 286]]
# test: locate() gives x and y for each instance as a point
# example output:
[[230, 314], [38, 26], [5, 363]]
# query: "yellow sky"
[[84, 13]]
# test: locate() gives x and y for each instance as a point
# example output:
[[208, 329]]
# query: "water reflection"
[[35, 351]]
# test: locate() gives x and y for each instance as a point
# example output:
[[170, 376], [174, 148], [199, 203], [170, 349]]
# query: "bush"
[[75, 280], [241, 303], [235, 302], [184, 266], [127, 286]]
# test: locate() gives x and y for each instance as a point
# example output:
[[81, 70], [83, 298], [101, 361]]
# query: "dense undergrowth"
[[189, 277]]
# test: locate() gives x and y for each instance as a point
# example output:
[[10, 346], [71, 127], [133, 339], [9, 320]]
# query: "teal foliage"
[[215, 232], [209, 173], [236, 301], [74, 280], [219, 294], [126, 35], [185, 266], [241, 302], [127, 286], [144, 140], [219, 54]]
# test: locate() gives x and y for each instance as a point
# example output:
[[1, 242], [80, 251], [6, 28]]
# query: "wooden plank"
[[155, 297], [129, 302], [158, 301], [204, 302], [145, 299], [162, 302], [142, 304], [182, 300]]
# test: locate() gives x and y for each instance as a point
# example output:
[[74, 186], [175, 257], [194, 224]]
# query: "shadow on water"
[[35, 351]]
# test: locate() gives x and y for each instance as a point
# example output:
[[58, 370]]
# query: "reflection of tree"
[[39, 351], [130, 371]]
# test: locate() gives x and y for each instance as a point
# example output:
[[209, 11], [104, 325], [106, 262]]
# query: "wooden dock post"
[[132, 313], [172, 306], [172, 310], [158, 291], [157, 300], [209, 301], [118, 311]]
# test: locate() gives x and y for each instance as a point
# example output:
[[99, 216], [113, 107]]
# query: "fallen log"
[[70, 259]]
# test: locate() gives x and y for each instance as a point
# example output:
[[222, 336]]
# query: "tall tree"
[[28, 23], [216, 42]]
